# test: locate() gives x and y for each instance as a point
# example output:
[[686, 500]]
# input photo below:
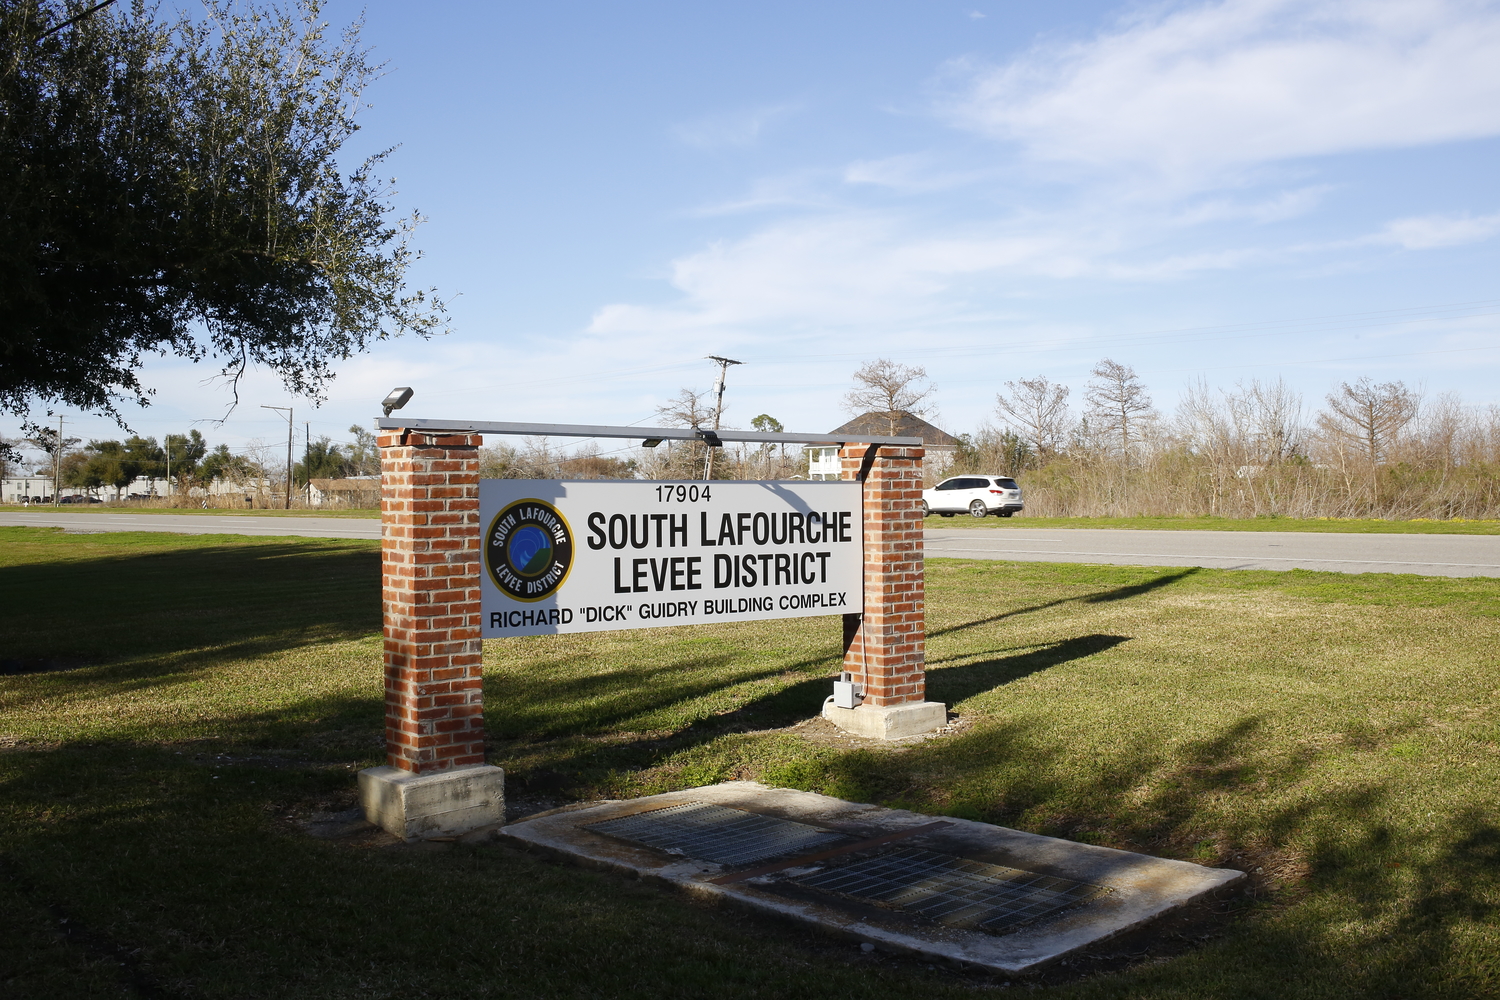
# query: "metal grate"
[[716, 833], [954, 891]]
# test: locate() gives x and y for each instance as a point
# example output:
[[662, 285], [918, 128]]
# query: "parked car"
[[976, 495]]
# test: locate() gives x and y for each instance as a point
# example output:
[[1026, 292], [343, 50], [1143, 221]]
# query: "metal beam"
[[643, 433]]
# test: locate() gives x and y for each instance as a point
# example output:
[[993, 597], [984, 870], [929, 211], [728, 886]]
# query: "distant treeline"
[[188, 460], [1370, 450]]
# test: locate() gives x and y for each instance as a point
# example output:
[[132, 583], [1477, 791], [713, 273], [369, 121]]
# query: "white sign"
[[595, 555]]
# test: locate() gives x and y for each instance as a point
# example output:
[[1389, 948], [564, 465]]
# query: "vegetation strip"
[[1336, 737]]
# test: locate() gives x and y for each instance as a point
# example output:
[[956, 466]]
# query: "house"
[[823, 463], [358, 491]]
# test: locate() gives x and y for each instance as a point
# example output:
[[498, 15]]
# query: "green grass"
[[1340, 733], [1419, 526], [47, 508], [1416, 526]]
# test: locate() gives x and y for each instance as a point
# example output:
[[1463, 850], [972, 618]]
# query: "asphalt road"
[[1430, 555]]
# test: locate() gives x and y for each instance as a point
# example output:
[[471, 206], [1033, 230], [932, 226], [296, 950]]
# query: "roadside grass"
[[1415, 526], [1337, 736], [126, 507]]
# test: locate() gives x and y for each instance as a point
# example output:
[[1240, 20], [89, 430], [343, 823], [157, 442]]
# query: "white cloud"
[[1283, 206], [1205, 98], [801, 189], [825, 270], [1192, 92], [878, 271], [731, 129], [909, 172], [1427, 232]]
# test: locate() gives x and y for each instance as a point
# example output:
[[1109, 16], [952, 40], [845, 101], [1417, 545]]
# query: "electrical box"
[[846, 693]]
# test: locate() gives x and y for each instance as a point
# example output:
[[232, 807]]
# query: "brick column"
[[429, 564], [885, 648]]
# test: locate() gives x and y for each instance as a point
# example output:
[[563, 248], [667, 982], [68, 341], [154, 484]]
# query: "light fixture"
[[396, 399], [650, 442]]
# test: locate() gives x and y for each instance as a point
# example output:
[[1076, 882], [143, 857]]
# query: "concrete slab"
[[888, 722], [442, 804], [1141, 888]]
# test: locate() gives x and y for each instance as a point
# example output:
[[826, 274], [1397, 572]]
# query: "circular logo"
[[528, 550]]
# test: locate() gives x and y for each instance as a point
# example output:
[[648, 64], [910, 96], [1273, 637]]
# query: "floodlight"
[[650, 442], [396, 399]]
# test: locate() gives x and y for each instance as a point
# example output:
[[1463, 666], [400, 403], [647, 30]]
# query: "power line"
[[1328, 323]]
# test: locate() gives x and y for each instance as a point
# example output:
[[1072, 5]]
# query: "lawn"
[[366, 513], [1418, 526], [191, 698], [1415, 526]]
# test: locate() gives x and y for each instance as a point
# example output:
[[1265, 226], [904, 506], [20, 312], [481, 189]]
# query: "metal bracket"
[[714, 439]]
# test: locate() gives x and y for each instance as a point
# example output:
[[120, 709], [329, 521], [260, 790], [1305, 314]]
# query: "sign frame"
[[562, 556]]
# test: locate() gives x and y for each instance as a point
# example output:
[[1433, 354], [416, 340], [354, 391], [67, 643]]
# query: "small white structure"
[[822, 463]]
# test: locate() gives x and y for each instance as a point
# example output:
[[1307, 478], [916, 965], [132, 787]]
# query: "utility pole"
[[57, 465], [307, 458], [289, 429], [168, 439], [723, 363]]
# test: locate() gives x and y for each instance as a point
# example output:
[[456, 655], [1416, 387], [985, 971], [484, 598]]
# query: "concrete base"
[[890, 722], [1142, 888], [441, 804]]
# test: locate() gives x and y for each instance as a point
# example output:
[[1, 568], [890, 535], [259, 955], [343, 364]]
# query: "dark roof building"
[[907, 425]]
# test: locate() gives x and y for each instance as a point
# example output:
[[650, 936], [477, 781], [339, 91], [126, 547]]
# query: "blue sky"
[[1245, 189]]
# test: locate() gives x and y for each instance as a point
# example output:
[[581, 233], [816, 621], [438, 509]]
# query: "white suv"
[[979, 495]]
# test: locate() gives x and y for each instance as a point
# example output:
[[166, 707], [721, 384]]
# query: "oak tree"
[[175, 188]]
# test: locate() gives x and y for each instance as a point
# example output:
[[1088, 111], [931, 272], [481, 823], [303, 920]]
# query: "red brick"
[[887, 651], [430, 598]]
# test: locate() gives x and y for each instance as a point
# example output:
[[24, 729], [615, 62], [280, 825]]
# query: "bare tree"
[[1117, 399], [1445, 423], [687, 409], [1273, 412], [1207, 421], [680, 459], [891, 390], [1038, 409], [1369, 416]]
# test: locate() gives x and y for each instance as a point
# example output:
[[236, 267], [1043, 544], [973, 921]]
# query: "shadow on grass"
[[153, 843], [184, 593], [149, 846], [1136, 590], [1115, 594], [1397, 906], [133, 612], [599, 701], [952, 685]]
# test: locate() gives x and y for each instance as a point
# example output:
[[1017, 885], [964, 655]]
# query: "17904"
[[682, 493]]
